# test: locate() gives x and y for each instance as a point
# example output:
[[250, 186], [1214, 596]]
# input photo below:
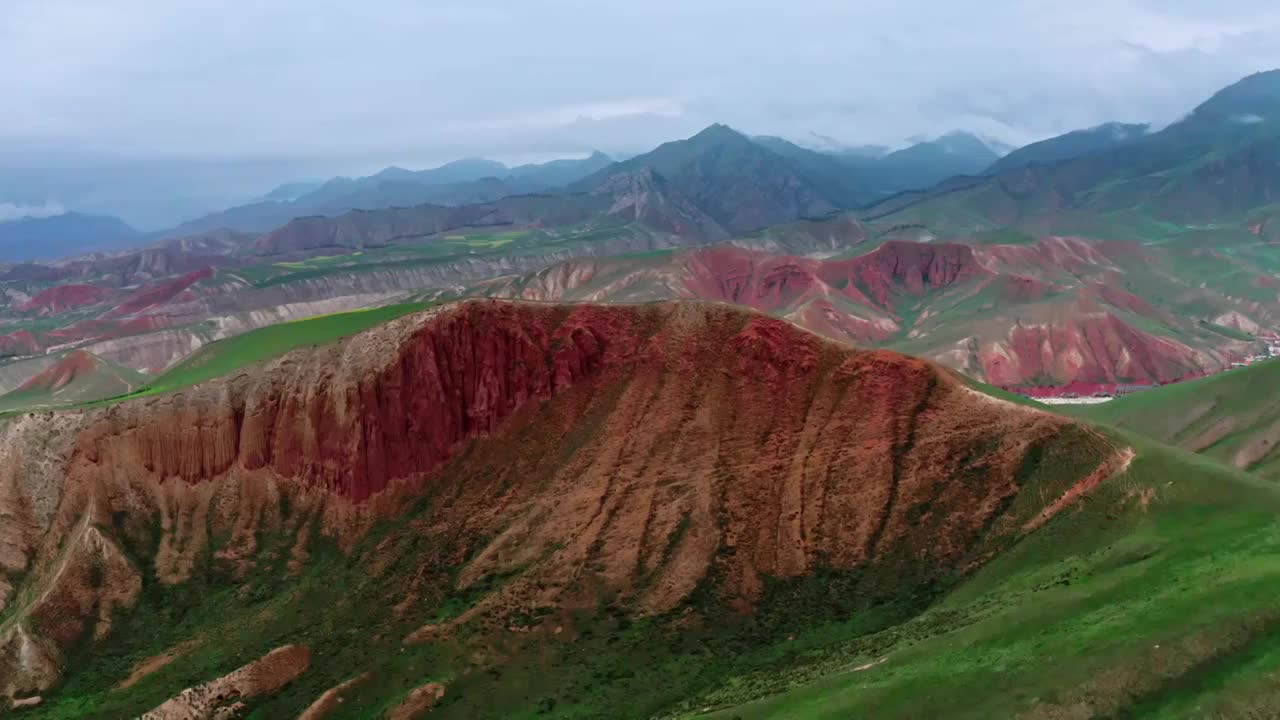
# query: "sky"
[[255, 93]]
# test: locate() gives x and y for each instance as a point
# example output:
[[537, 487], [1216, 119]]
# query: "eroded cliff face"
[[1093, 348], [629, 451]]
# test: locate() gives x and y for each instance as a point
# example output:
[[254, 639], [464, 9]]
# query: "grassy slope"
[[450, 247], [224, 356], [1220, 416], [1151, 600]]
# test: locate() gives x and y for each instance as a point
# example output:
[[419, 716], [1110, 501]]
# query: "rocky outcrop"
[[908, 268], [1093, 348], [636, 451], [221, 698], [645, 197]]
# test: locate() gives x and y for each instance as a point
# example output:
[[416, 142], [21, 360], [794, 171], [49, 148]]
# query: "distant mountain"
[[292, 191], [62, 235], [859, 175], [847, 187], [1071, 145], [1218, 164], [832, 146], [647, 198], [535, 178], [1237, 108], [924, 164], [742, 184], [462, 182]]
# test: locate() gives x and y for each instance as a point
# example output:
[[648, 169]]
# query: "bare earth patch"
[[418, 703], [332, 698], [221, 698], [154, 663], [1258, 447]]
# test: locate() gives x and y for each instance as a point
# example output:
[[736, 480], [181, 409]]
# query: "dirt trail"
[[1109, 468], [156, 662], [50, 580]]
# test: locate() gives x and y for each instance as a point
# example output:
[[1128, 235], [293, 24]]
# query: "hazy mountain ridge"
[[462, 182], [1220, 162], [45, 238]]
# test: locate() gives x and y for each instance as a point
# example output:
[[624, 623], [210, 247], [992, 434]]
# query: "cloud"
[[1248, 119], [580, 113], [10, 211]]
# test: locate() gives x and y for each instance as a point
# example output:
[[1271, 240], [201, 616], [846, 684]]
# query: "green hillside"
[[1150, 600], [225, 356], [1233, 417]]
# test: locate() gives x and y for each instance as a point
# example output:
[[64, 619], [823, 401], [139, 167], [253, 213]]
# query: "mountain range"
[[56, 236], [462, 182], [1217, 163], [697, 167]]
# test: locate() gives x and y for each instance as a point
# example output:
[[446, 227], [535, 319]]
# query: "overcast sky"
[[356, 85]]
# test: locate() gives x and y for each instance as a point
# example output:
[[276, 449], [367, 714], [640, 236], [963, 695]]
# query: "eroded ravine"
[[634, 452]]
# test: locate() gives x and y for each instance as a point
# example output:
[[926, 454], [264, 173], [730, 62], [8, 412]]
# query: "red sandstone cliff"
[[633, 450]]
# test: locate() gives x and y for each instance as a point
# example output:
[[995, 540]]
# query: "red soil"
[[898, 267], [778, 282], [745, 277], [1095, 350], [65, 297], [1021, 289], [74, 364], [638, 452], [106, 329], [1124, 300], [21, 342], [150, 295]]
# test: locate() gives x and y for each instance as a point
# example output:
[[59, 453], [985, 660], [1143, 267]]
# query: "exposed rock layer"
[[634, 451]]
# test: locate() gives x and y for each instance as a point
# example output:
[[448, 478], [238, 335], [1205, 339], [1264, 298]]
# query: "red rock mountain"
[[1054, 312], [640, 451]]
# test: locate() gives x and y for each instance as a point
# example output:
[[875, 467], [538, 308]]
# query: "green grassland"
[[1149, 600], [225, 356], [1219, 416], [450, 247]]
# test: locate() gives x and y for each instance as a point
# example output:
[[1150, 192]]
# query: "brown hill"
[[636, 453], [1057, 311], [78, 376]]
